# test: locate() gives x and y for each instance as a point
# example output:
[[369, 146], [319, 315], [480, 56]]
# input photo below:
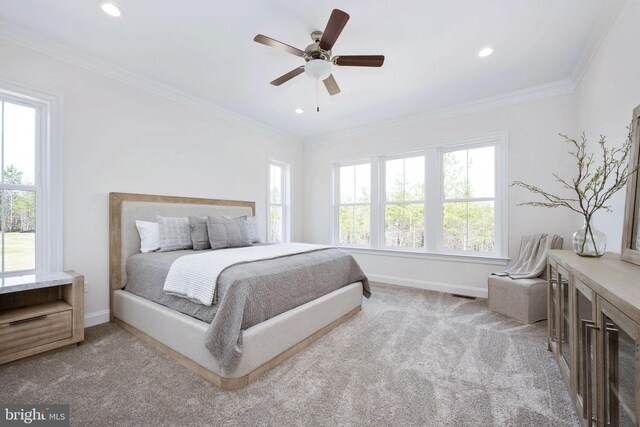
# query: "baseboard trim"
[[93, 319], [98, 317], [449, 288]]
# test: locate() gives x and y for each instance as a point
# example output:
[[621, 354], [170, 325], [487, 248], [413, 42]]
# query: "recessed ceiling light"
[[484, 52], [110, 9], [299, 111]]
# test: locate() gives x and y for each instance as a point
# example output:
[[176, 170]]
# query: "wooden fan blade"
[[331, 85], [337, 21], [359, 60], [291, 74], [278, 45]]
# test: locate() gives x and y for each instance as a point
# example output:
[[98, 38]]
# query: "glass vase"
[[589, 242]]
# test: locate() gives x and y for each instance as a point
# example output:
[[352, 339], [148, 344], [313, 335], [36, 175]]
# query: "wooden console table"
[[39, 313], [594, 332]]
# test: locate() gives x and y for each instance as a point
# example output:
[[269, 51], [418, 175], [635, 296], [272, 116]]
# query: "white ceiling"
[[205, 48]]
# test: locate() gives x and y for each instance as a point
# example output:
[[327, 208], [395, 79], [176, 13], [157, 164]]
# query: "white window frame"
[[48, 176], [384, 203], [433, 248], [497, 199], [335, 200], [286, 199]]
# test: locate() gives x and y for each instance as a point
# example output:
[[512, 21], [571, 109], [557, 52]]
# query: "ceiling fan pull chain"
[[317, 95]]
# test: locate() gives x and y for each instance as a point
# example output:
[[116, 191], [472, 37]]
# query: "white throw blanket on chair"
[[532, 259]]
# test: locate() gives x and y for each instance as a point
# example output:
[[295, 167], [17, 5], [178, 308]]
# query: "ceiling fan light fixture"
[[318, 69], [110, 9], [319, 58], [484, 52]]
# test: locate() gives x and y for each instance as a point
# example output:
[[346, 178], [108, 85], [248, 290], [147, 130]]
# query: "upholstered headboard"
[[126, 208]]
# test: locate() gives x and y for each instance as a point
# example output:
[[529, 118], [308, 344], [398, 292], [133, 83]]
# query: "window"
[[30, 231], [404, 202], [278, 206], [468, 199], [354, 205], [445, 199], [18, 191]]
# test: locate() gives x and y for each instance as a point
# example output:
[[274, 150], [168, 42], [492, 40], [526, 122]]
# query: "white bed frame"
[[265, 345]]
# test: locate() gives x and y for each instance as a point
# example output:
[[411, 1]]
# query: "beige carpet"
[[409, 358]]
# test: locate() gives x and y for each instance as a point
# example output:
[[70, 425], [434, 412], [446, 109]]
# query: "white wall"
[[119, 138], [534, 151], [605, 98]]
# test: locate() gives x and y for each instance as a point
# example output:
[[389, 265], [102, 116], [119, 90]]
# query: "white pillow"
[[149, 236]]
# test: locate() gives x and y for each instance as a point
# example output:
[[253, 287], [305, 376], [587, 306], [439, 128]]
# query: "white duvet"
[[195, 276]]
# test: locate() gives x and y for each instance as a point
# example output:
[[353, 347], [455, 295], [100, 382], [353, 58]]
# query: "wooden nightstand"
[[39, 313]]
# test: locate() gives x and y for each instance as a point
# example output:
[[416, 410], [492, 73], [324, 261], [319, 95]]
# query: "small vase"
[[589, 242]]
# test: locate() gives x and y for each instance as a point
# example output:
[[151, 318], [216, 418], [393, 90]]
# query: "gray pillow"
[[254, 230], [228, 232], [252, 227], [199, 233], [175, 234]]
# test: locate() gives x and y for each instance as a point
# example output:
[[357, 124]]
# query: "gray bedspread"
[[249, 293], [145, 277]]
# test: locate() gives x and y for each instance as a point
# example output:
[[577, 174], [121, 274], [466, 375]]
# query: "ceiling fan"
[[318, 56]]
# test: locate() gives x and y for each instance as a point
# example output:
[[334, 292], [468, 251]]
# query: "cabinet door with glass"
[[564, 321], [559, 300], [619, 367], [553, 304], [584, 378]]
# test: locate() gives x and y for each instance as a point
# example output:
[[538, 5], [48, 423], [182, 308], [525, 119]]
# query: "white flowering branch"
[[593, 185]]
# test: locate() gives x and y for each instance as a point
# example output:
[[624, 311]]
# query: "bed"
[[264, 345]]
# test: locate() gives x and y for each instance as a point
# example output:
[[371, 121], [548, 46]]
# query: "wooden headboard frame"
[[115, 228]]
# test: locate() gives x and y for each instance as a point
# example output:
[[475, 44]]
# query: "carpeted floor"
[[409, 358]]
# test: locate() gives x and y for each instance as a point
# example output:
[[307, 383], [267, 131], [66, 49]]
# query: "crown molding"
[[59, 52], [611, 10], [547, 90]]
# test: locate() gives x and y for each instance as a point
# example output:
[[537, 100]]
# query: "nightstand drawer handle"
[[17, 322]]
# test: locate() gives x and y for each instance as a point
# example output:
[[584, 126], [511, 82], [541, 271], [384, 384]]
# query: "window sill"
[[470, 259]]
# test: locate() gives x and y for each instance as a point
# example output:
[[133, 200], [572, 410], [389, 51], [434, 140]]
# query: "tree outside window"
[[278, 202], [404, 202], [18, 126], [354, 207], [445, 199], [468, 205]]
